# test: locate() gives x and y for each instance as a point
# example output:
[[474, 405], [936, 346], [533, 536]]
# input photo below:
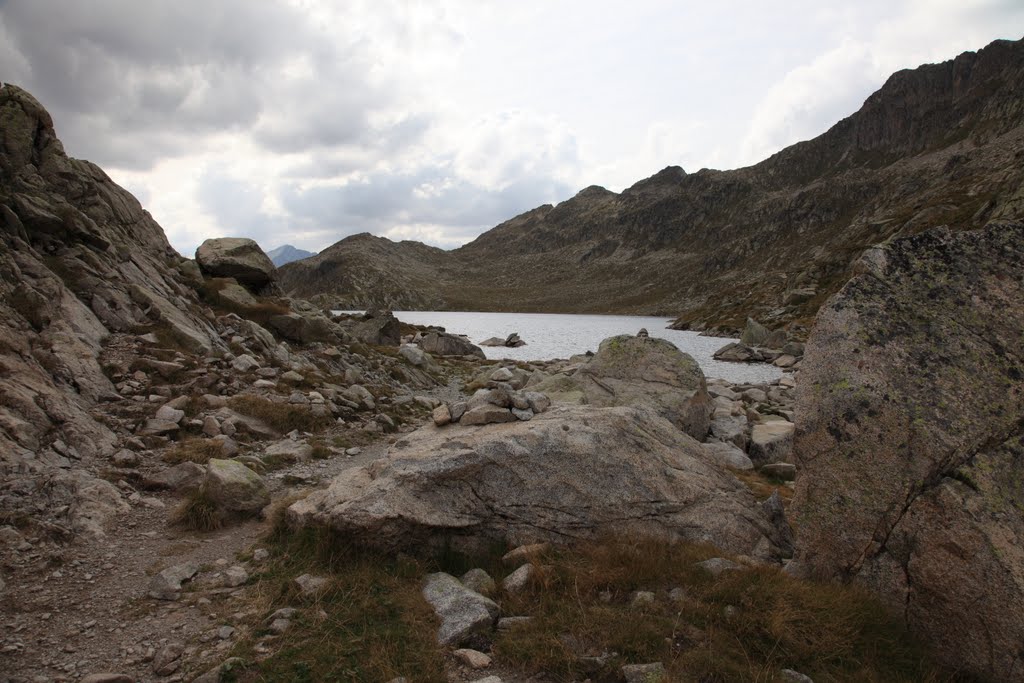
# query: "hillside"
[[940, 144]]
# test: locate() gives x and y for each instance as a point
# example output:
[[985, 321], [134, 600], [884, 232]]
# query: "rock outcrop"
[[911, 441], [571, 472], [239, 258], [936, 145], [79, 260], [444, 344]]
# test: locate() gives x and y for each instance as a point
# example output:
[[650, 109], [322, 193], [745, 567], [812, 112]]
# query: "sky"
[[305, 121]]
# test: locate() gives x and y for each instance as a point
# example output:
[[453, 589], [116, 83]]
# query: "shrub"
[[198, 513], [194, 450], [283, 417]]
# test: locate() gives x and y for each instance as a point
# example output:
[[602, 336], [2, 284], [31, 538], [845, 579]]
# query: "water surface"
[[555, 335]]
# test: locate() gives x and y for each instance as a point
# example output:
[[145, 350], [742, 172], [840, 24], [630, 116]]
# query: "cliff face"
[[79, 260], [941, 144]]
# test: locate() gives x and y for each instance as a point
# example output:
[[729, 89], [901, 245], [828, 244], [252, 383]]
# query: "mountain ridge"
[[939, 144], [286, 253]]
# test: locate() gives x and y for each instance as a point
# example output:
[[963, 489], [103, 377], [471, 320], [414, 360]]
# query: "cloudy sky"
[[303, 121]]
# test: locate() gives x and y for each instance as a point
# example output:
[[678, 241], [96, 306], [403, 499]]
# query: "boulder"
[[486, 414], [909, 442], [727, 455], [463, 613], [236, 257], [571, 472], [444, 344], [234, 488], [416, 356], [233, 295], [737, 352], [378, 328], [754, 334], [646, 371], [771, 442]]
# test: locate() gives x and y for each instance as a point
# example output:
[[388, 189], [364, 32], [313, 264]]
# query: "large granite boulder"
[[376, 327], [444, 344], [646, 371], [236, 257], [911, 444], [569, 473]]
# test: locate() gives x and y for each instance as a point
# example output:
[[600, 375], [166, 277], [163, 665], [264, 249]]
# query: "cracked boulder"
[[239, 258], [909, 440], [572, 472]]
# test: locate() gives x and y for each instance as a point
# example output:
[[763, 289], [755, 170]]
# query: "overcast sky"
[[305, 121]]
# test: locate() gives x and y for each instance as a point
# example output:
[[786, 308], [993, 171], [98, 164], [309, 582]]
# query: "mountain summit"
[[940, 144], [286, 253]]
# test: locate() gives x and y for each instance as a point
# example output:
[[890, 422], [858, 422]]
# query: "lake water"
[[550, 336]]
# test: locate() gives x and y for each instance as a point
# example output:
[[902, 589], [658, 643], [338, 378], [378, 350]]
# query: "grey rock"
[[718, 565], [727, 455], [235, 576], [236, 257], [463, 613], [443, 344], [442, 415], [644, 673], [234, 488], [790, 676], [519, 579], [167, 584], [169, 414], [487, 414], [779, 470], [910, 405], [771, 442], [480, 581], [310, 585], [472, 658], [649, 372], [573, 471]]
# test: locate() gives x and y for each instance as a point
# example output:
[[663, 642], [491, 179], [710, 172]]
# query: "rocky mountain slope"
[[286, 253], [940, 144]]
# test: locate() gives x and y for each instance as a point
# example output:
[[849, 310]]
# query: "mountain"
[[940, 144], [286, 254]]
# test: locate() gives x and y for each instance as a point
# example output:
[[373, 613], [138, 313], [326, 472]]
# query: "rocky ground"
[[79, 605]]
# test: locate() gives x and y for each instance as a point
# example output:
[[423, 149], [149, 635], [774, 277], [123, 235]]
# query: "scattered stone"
[[472, 658], [279, 626], [519, 579], [716, 566], [771, 442], [525, 553], [235, 576], [642, 599], [464, 613], [234, 488], [167, 584], [225, 632], [442, 415], [260, 555], [644, 673], [487, 414], [790, 676], [310, 585], [480, 581], [167, 660], [169, 414]]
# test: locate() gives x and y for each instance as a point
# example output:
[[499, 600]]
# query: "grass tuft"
[[194, 450], [197, 513], [283, 417]]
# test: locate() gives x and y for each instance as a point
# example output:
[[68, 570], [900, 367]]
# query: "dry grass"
[[762, 486], [194, 450], [283, 417], [377, 626], [197, 513], [742, 626]]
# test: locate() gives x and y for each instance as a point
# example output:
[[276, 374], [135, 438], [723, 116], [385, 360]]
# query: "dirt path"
[[69, 611]]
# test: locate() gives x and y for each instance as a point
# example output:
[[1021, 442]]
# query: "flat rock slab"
[[572, 472], [167, 584], [464, 613]]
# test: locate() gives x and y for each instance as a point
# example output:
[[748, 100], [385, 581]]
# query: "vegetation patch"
[[744, 625], [194, 450], [370, 623], [198, 513], [283, 417]]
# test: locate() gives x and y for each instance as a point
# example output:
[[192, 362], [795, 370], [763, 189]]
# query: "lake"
[[552, 335]]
